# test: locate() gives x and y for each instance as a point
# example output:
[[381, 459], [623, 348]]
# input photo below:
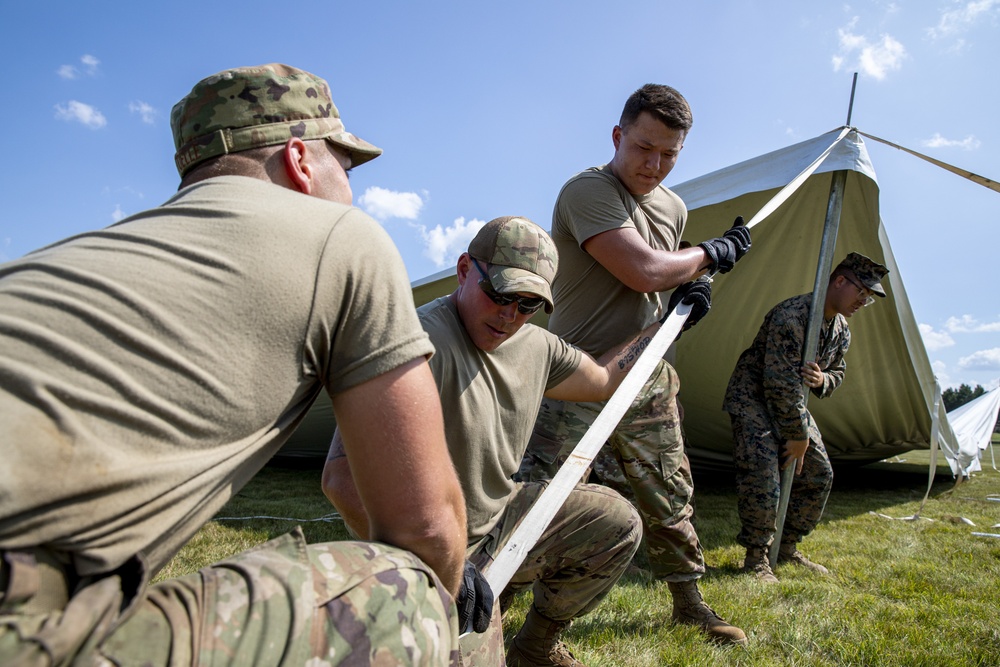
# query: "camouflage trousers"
[[576, 562], [757, 455], [281, 603], [645, 455]]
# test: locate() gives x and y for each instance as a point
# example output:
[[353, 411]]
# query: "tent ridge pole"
[[850, 106]]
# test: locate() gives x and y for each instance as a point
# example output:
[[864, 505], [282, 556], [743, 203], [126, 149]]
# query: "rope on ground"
[[328, 518]]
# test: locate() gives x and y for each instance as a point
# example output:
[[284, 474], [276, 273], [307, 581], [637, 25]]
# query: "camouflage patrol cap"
[[249, 107], [868, 271], [520, 255]]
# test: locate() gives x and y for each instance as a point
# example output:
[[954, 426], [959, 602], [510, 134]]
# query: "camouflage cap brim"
[[511, 280]]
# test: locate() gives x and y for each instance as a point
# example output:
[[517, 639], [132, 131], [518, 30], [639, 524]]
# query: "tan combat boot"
[[537, 644], [690, 609], [758, 564], [788, 553]]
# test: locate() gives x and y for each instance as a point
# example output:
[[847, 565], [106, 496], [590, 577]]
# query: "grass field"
[[923, 592]]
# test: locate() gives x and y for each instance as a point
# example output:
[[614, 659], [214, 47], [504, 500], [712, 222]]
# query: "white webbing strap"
[[499, 573], [793, 185]]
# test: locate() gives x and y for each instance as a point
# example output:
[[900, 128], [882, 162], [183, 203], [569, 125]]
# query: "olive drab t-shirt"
[[490, 401], [594, 310], [151, 368]]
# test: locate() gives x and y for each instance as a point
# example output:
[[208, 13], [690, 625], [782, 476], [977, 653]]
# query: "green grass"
[[924, 592]]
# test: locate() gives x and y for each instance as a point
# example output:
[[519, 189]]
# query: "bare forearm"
[[393, 435]]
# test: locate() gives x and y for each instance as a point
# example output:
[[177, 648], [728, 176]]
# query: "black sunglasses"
[[525, 304]]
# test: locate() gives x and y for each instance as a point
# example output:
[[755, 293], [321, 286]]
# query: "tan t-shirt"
[[593, 309], [490, 401], [151, 368]]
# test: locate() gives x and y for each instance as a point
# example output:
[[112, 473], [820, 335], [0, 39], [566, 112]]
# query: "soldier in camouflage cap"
[[197, 336], [248, 107], [772, 429], [521, 257], [492, 369]]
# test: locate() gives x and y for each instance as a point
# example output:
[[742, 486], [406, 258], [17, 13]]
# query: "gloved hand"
[[474, 601], [697, 293], [729, 248]]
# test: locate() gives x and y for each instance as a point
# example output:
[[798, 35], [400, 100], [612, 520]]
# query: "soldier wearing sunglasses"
[[492, 369]]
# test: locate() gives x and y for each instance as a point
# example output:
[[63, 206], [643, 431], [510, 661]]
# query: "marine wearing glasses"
[[864, 294]]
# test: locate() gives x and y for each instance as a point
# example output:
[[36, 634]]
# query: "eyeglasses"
[[869, 299], [525, 304]]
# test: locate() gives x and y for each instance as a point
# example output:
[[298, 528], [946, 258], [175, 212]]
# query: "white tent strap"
[[499, 573], [975, 178], [787, 191]]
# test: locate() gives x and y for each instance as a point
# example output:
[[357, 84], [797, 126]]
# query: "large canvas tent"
[[890, 392]]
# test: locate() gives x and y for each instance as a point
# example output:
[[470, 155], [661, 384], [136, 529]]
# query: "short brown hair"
[[664, 102]]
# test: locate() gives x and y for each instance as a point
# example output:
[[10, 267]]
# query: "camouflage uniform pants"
[[757, 456], [281, 603], [576, 562], [648, 448]]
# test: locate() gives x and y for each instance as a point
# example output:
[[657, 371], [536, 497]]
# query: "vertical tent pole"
[[824, 266]]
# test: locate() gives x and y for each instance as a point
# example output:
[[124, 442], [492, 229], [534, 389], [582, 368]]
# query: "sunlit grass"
[[922, 592]]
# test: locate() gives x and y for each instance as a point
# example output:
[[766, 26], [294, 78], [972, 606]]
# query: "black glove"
[[729, 248], [474, 601], [697, 293]]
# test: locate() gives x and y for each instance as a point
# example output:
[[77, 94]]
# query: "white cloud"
[[955, 21], [443, 245], [4, 244], [874, 59], [941, 374], [970, 143], [82, 113], [384, 204], [984, 360], [969, 324], [145, 111], [118, 213], [89, 62], [935, 340]]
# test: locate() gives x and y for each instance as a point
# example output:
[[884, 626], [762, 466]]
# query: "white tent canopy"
[[885, 404], [973, 425]]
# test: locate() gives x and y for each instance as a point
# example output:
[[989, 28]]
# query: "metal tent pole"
[[824, 266]]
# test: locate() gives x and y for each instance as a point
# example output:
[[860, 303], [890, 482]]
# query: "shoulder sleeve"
[[363, 321], [588, 205], [564, 358]]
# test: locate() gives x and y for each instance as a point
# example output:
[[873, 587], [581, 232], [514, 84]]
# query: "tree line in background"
[[954, 398]]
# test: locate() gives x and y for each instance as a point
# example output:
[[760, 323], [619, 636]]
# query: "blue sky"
[[485, 109]]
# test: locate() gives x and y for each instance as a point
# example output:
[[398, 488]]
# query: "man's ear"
[[616, 136], [297, 167], [463, 267]]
